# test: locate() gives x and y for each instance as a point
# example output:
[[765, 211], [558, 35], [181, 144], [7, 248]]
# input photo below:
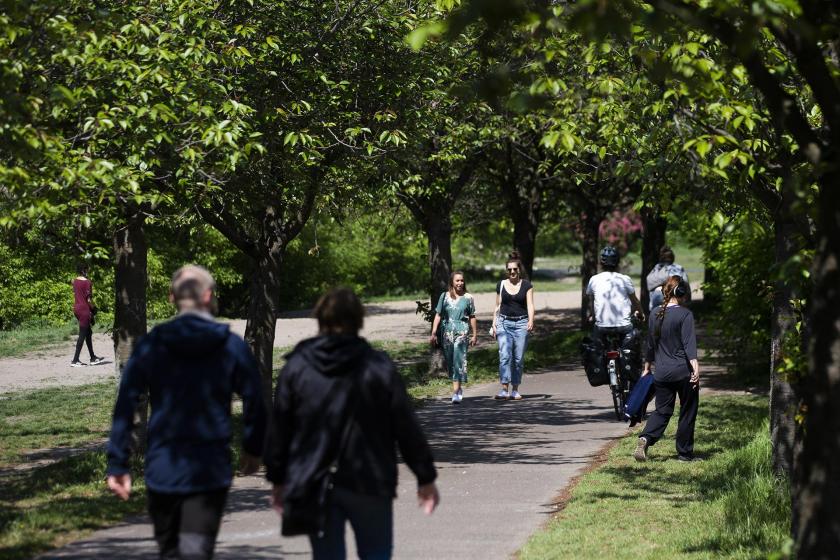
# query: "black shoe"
[[688, 458]]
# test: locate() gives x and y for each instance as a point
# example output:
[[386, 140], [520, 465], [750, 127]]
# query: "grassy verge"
[[50, 506], [54, 418], [35, 336], [728, 506]]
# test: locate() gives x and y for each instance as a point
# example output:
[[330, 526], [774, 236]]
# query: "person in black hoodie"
[[340, 411], [191, 366], [672, 347]]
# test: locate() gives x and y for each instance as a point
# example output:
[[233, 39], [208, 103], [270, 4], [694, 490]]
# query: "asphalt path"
[[501, 466]]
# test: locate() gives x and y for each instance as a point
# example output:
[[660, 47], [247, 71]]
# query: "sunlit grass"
[[54, 418], [728, 506], [52, 505], [35, 336]]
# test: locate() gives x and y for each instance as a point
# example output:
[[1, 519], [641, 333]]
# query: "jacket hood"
[[333, 355], [191, 335]]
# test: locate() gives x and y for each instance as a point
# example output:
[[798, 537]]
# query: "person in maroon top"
[[83, 309]]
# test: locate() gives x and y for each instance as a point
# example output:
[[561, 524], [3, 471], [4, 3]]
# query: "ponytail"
[[667, 295]]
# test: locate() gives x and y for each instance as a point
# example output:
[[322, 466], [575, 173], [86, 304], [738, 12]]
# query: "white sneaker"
[[77, 364], [514, 395], [502, 395], [640, 454], [456, 398]]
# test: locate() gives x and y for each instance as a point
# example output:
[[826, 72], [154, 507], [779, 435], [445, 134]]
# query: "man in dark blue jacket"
[[191, 366]]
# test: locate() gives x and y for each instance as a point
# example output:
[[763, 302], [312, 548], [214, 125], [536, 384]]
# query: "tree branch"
[[781, 105], [223, 222]]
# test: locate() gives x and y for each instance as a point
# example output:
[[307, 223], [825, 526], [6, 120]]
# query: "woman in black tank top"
[[513, 320]]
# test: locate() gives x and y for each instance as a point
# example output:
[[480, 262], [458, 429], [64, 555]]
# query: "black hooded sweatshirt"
[[191, 366], [325, 380]]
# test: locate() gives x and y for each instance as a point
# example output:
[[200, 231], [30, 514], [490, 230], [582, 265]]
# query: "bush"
[[34, 286], [372, 254], [740, 260]]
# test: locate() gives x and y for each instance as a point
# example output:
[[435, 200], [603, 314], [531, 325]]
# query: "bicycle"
[[612, 358], [618, 365]]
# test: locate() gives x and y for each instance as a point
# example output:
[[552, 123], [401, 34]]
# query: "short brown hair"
[[339, 310]]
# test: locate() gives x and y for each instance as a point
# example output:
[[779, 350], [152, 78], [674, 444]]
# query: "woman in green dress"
[[455, 314]]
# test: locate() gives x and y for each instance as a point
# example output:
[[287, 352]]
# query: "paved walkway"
[[501, 465]]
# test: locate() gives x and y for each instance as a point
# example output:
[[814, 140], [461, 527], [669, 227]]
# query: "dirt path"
[[385, 321]]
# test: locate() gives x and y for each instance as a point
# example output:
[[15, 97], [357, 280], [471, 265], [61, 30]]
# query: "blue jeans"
[[371, 518], [513, 339]]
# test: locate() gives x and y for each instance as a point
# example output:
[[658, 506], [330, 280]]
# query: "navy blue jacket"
[[191, 367]]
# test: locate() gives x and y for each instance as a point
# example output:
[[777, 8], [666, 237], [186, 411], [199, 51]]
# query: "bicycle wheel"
[[618, 402]]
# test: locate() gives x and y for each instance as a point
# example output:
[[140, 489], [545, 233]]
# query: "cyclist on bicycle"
[[611, 300]]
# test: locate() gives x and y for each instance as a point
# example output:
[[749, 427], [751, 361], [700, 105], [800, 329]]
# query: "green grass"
[[54, 418], [729, 506], [35, 336], [50, 506]]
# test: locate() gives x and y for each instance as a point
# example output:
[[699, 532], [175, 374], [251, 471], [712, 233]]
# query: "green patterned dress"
[[455, 332]]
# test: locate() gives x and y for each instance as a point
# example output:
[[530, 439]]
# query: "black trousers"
[[186, 525], [666, 397], [85, 336]]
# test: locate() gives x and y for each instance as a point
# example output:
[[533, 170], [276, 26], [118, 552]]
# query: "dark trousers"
[[601, 333], [85, 336], [666, 396], [186, 525], [371, 518]]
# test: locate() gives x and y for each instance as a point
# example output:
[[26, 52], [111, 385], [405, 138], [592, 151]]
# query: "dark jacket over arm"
[[326, 380]]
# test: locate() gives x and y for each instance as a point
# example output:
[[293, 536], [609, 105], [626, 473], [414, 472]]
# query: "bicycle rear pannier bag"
[[592, 355]]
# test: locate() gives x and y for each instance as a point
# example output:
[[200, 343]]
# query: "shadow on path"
[[484, 430]]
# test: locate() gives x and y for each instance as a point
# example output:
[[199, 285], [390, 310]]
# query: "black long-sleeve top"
[[672, 344]]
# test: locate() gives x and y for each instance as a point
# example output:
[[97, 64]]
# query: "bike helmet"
[[609, 256]]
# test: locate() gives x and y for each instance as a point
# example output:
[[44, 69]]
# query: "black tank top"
[[514, 305]]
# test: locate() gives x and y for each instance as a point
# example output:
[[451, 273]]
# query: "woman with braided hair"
[[672, 347]]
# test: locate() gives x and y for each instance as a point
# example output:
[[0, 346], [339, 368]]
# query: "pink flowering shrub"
[[621, 229]]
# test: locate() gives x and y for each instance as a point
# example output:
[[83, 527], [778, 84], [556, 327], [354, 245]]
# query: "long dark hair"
[[452, 283], [668, 289]]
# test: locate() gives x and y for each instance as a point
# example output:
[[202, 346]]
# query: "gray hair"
[[189, 283]]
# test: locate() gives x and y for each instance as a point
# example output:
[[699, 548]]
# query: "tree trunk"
[[784, 399], [653, 238], [818, 529], [262, 315], [589, 265], [524, 201], [439, 233], [130, 275]]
